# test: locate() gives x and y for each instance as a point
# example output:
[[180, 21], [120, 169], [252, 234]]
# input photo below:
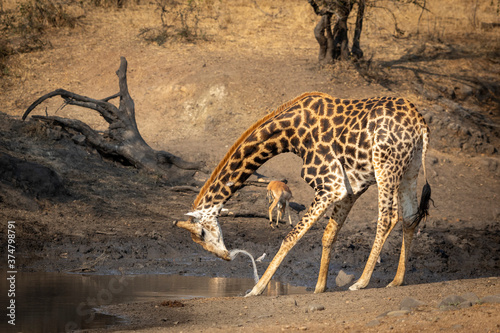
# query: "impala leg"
[[271, 212], [279, 214], [288, 211], [339, 215], [387, 219], [321, 202]]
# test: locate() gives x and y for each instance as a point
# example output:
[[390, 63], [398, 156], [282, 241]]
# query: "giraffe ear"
[[196, 214]]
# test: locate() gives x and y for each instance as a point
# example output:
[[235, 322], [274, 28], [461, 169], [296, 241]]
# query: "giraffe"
[[346, 146]]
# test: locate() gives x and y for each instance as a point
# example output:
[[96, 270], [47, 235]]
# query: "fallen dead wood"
[[122, 141]]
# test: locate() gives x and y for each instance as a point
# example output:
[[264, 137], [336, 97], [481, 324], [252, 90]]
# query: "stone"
[[491, 299], [452, 300], [471, 297], [373, 323], [79, 139], [343, 279], [382, 315], [409, 303], [315, 307], [397, 313], [465, 304]]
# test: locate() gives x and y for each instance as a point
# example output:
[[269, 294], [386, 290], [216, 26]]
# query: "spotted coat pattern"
[[346, 146]]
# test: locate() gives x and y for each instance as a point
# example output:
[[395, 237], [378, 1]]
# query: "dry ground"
[[194, 99]]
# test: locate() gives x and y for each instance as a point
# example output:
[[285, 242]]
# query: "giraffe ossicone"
[[346, 146]]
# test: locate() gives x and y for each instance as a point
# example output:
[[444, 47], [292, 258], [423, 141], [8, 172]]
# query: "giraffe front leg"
[[271, 269], [315, 211], [339, 215], [328, 239]]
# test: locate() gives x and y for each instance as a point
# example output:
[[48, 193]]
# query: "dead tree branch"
[[122, 140]]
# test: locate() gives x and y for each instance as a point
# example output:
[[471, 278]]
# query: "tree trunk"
[[325, 42], [340, 38], [335, 45], [356, 48], [122, 140]]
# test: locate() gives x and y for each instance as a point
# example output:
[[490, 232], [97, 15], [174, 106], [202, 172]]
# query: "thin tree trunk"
[[356, 48], [340, 37]]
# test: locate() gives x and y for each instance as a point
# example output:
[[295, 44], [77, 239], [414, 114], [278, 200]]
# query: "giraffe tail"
[[425, 199]]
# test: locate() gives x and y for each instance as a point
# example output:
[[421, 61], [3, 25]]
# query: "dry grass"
[[439, 48]]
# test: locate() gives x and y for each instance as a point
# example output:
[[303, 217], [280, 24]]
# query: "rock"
[[79, 139], [409, 303], [315, 307], [491, 299], [373, 323], [471, 297], [343, 279], [451, 301], [382, 315], [465, 304], [462, 91], [397, 313]]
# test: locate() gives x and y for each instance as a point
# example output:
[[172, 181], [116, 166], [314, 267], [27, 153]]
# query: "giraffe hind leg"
[[387, 219], [409, 203]]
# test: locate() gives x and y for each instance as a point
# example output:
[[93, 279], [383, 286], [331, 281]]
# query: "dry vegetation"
[[447, 44]]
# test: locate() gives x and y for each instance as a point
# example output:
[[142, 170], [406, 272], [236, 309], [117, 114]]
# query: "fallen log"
[[122, 141]]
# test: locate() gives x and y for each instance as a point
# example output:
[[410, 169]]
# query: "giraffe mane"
[[238, 142]]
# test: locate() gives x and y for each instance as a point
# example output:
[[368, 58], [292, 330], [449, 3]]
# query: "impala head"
[[205, 230]]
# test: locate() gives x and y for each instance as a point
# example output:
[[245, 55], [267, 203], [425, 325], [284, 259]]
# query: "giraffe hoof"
[[252, 293], [356, 286], [320, 290], [394, 284]]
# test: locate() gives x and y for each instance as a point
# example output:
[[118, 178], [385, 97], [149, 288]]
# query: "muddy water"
[[57, 302]]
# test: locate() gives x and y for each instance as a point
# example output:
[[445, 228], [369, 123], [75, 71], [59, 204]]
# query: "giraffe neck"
[[265, 139], [245, 160]]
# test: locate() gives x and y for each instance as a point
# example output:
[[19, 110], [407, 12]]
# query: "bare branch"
[[103, 107]]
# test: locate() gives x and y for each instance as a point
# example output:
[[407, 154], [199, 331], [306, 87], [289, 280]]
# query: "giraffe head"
[[205, 230]]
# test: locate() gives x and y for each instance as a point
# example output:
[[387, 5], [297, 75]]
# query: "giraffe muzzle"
[[219, 249]]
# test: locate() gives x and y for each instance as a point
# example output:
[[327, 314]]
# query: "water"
[[58, 302]]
